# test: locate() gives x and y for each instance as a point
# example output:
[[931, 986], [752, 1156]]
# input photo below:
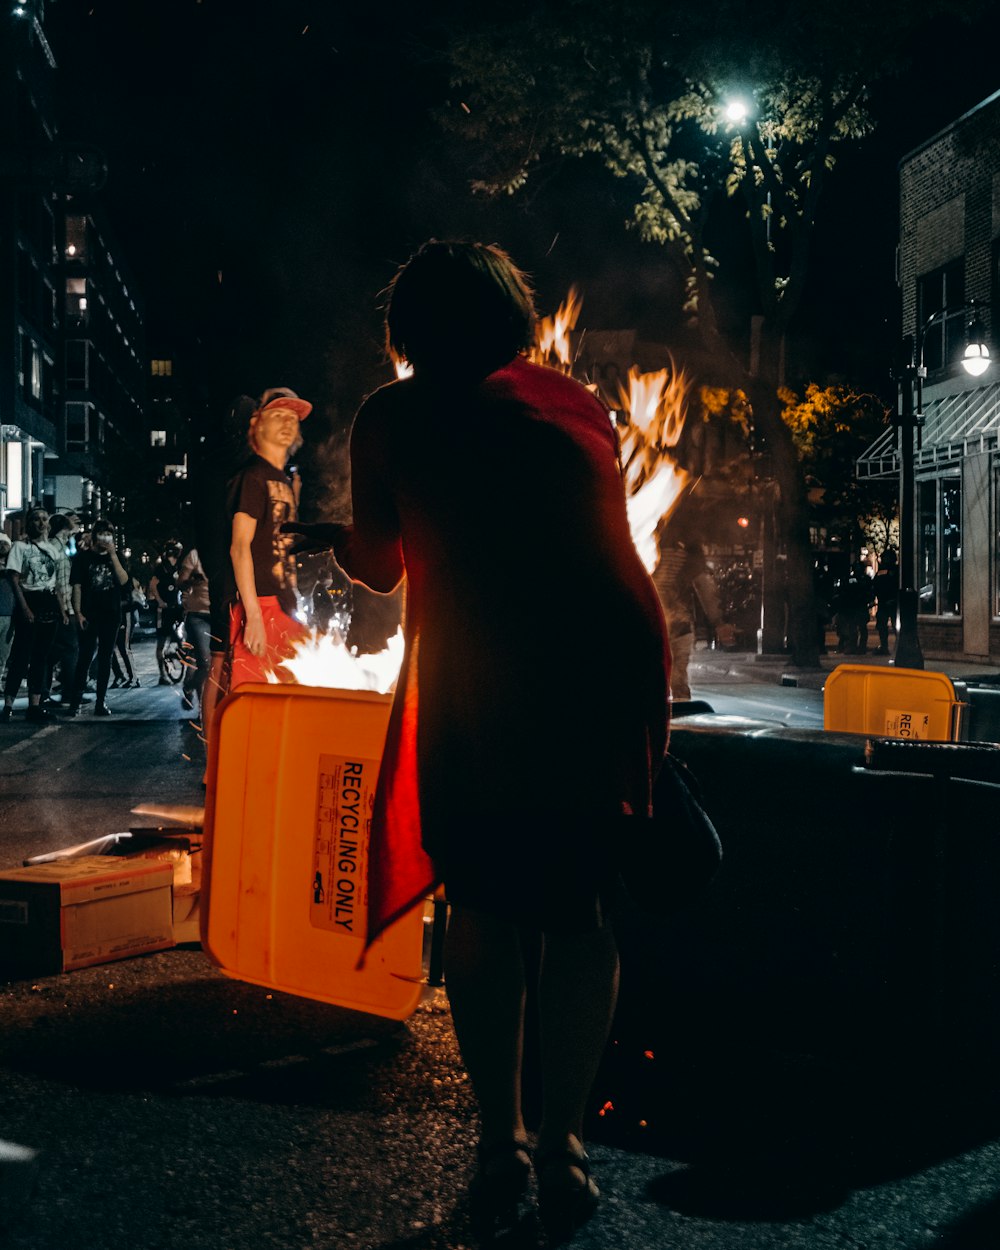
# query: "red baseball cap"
[[282, 397]]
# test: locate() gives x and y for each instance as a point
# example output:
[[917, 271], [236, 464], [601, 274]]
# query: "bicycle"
[[174, 659]]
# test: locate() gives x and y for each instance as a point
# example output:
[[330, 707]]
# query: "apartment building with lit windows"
[[168, 417], [72, 355], [105, 368], [30, 262]]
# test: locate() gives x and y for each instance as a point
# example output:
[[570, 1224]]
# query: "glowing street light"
[[976, 359], [736, 111]]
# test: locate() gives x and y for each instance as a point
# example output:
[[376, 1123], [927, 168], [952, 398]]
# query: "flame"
[[654, 482], [403, 369], [656, 406], [552, 345], [322, 659]]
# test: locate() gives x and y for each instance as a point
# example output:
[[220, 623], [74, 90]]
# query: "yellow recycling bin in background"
[[907, 703], [290, 787]]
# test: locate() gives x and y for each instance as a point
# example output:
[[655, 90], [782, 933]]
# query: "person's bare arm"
[[22, 603], [244, 528], [77, 599], [118, 567]]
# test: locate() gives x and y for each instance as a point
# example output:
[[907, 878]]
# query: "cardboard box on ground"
[[181, 848], [78, 912], [111, 898]]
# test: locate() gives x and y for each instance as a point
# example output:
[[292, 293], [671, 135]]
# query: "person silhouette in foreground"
[[508, 765]]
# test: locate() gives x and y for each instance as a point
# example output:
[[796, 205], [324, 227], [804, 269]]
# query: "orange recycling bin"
[[907, 703], [290, 788]]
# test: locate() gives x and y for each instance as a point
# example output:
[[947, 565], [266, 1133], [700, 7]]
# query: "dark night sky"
[[288, 147]]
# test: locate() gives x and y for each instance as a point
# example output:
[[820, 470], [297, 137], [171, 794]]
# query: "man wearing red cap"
[[263, 629]]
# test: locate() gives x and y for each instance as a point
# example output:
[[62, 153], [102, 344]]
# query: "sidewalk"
[[712, 666], [150, 701]]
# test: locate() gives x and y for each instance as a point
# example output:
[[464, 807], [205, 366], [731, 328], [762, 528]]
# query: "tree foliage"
[[831, 427], [645, 90], [648, 93]]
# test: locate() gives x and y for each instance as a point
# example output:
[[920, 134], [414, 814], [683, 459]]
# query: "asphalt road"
[[174, 1108]]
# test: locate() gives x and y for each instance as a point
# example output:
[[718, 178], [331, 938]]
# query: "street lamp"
[[909, 421], [736, 111]]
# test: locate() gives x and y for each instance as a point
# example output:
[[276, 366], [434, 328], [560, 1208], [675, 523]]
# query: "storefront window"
[[996, 537], [939, 553]]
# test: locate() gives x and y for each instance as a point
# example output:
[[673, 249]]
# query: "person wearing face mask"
[[165, 592], [97, 578], [31, 567]]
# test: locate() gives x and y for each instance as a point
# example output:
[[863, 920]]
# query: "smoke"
[[375, 618], [329, 479]]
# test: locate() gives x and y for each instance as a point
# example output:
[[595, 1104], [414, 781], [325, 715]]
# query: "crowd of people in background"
[[73, 604], [69, 606]]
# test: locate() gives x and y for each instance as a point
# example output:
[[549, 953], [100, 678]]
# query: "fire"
[[656, 405], [404, 369], [322, 659], [654, 482], [552, 334]]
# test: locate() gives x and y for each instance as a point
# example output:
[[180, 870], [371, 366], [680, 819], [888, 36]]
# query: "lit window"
[[76, 238], [77, 425], [12, 477], [158, 438], [939, 546], [943, 292]]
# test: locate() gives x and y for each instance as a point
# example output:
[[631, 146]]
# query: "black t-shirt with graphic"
[[100, 593], [268, 495]]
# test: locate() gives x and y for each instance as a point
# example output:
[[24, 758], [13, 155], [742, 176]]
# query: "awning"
[[954, 427]]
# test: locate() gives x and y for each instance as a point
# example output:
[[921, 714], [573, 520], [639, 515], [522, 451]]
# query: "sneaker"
[[102, 709], [71, 709], [118, 683], [36, 712]]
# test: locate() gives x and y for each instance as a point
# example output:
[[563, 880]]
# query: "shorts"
[[282, 632]]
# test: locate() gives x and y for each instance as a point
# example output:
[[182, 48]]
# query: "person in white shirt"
[[31, 567]]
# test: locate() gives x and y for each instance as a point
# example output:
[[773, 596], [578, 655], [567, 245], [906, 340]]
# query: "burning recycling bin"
[[291, 787], [291, 784]]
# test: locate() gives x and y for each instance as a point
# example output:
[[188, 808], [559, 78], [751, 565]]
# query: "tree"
[[831, 427], [650, 94]]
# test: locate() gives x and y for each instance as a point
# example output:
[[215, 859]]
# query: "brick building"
[[949, 257]]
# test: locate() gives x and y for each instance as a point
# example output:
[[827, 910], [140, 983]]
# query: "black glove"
[[312, 537]]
